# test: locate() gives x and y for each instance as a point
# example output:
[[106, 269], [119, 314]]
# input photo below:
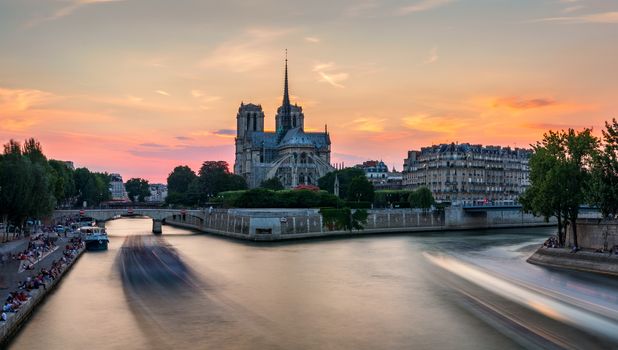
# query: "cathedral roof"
[[264, 139], [297, 137]]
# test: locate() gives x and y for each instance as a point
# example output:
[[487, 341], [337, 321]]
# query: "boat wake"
[[532, 315]]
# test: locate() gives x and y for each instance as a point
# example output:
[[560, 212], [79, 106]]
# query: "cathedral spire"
[[286, 109], [286, 96]]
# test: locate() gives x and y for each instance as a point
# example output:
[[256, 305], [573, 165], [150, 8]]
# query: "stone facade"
[[469, 174], [378, 174], [290, 154]]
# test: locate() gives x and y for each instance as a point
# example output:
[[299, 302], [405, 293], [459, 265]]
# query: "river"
[[418, 291]]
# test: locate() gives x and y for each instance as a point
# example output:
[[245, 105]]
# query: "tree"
[[64, 185], [360, 189], [92, 188], [25, 183], [272, 184], [179, 179], [560, 177], [215, 177], [327, 182], [137, 189], [604, 176], [422, 198]]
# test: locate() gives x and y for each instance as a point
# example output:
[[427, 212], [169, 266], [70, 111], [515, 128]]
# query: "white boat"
[[94, 237]]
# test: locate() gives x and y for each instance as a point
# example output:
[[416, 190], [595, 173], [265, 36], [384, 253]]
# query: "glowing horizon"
[[138, 87]]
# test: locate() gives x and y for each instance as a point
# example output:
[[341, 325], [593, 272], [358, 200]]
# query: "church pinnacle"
[[286, 96], [286, 108]]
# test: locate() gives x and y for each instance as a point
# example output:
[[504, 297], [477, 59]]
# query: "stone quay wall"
[[280, 224], [16, 321], [595, 234]]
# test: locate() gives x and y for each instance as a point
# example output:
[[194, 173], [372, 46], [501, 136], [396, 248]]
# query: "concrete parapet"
[[279, 224], [582, 260]]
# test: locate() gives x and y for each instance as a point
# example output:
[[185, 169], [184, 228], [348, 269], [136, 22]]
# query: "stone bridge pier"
[[157, 226]]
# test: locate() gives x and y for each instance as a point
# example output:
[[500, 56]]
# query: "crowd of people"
[[552, 242], [45, 276], [38, 246]]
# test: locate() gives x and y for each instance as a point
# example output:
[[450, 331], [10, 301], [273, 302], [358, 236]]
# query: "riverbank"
[[583, 260], [285, 224], [16, 321]]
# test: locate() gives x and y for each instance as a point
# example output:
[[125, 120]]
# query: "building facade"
[[158, 193], [116, 188], [289, 153], [378, 174], [469, 174]]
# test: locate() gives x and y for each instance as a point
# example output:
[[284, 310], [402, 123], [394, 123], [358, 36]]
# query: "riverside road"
[[446, 290]]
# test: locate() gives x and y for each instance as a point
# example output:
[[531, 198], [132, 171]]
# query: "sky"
[[138, 87]]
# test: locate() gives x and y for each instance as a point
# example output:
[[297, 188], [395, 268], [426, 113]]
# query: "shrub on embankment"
[[264, 198]]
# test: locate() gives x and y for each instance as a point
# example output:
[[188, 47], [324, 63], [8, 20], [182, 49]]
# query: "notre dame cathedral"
[[292, 155]]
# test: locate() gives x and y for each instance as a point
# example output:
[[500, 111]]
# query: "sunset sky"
[[140, 86]]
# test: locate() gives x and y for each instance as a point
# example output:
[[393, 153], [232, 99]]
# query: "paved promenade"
[[12, 275]]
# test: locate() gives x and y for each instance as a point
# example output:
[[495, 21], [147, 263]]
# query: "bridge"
[[158, 216]]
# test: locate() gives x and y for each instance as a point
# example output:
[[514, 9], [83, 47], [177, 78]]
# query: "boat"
[[94, 237]]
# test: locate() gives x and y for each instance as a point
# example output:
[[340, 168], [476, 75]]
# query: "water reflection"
[[363, 293]]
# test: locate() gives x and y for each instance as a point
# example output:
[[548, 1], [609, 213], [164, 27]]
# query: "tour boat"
[[94, 237]]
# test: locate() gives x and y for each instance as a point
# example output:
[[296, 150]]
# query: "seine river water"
[[461, 290]]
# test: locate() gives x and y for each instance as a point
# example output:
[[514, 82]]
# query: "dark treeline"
[[186, 188], [215, 184], [569, 169], [31, 186]]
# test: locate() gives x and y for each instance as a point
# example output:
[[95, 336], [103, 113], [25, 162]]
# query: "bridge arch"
[[158, 216]]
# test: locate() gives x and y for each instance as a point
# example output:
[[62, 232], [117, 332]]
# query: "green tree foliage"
[[386, 198], [26, 183], [91, 187], [64, 186], [343, 219], [215, 177], [327, 182], [422, 198], [360, 189], [560, 177], [182, 187], [179, 179], [604, 179], [188, 189], [265, 198], [272, 184], [137, 189]]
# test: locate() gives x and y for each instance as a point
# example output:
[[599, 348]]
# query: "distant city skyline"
[[137, 87]]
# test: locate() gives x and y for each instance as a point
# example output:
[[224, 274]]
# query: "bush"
[[343, 218], [264, 198], [358, 205]]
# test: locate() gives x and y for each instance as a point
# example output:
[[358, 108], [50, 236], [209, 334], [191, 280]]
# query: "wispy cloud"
[[364, 8], [312, 39], [367, 124], [523, 103], [150, 144], [599, 18], [183, 138], [70, 7], [18, 100], [422, 5], [162, 92], [433, 56], [246, 52], [572, 9], [225, 132], [327, 72]]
